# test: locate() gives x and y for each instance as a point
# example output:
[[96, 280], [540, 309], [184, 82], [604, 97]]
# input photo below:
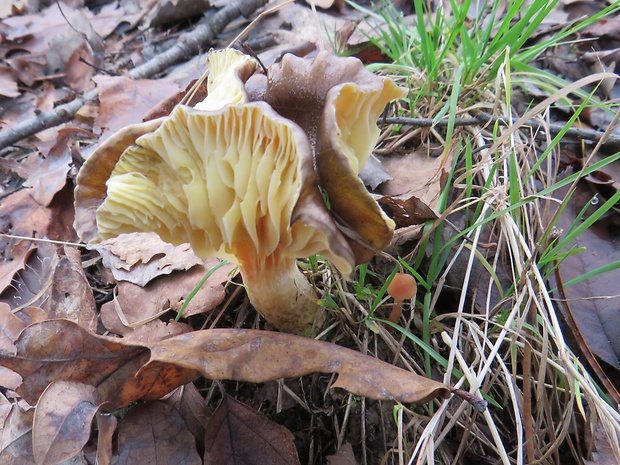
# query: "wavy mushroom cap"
[[237, 183], [228, 71], [337, 102]]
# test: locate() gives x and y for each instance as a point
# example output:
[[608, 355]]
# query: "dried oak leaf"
[[237, 433]]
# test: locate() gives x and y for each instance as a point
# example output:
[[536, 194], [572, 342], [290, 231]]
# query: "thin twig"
[[485, 118], [187, 46]]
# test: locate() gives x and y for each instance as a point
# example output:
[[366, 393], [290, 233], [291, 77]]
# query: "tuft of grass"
[[501, 336]]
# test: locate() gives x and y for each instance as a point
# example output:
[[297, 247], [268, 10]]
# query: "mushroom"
[[237, 183], [236, 180], [403, 286]]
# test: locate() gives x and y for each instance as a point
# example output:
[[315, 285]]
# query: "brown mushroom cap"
[[403, 286], [336, 101]]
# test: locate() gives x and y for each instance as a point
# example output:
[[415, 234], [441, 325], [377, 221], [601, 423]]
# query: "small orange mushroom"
[[403, 286]]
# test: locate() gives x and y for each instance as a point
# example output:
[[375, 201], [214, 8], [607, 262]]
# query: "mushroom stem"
[[397, 311], [285, 298]]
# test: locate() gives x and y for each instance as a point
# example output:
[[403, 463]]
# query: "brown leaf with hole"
[[62, 421], [258, 356], [155, 433], [237, 433]]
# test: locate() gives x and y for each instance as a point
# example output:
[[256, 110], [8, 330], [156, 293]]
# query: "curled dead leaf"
[[259, 356]]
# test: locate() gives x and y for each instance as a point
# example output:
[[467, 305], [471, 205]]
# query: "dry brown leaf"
[[10, 327], [155, 433], [32, 285], [604, 453], [61, 350], [593, 302], [8, 84], [135, 305], [141, 257], [344, 456], [56, 350], [406, 212], [54, 279], [62, 421], [237, 433], [192, 407], [124, 101], [71, 296], [16, 437], [48, 175], [259, 356], [416, 175], [20, 253]]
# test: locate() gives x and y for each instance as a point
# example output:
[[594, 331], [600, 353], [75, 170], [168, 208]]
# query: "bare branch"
[[188, 45], [591, 135]]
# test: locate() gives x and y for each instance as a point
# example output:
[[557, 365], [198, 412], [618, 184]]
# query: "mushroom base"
[[285, 298]]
